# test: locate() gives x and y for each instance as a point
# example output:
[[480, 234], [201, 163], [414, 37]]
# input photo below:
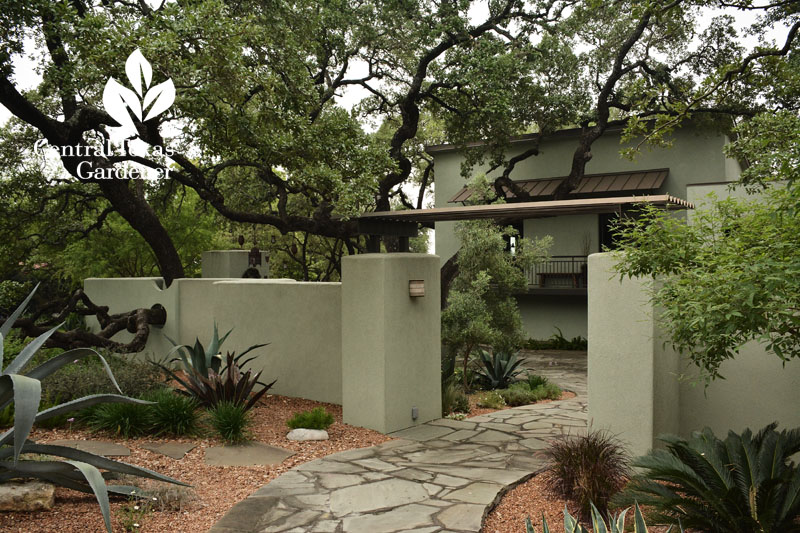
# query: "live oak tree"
[[258, 130]]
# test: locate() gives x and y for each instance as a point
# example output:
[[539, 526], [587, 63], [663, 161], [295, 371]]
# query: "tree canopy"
[[296, 116]]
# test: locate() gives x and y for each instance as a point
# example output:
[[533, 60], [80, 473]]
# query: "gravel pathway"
[[439, 477]]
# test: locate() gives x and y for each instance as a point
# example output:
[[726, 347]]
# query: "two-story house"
[[687, 171]]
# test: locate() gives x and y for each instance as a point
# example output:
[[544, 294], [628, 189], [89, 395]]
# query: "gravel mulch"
[[529, 499], [215, 489]]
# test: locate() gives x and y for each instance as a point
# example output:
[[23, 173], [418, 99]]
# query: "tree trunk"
[[140, 215]]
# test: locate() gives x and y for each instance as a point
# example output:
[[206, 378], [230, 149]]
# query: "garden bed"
[[474, 410], [216, 489]]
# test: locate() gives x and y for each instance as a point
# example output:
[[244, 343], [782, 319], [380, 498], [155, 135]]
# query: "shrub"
[[499, 370], [745, 483], [84, 378], [172, 414], [616, 524], [124, 419], [453, 398], [81, 471], [521, 393], [535, 380], [588, 468], [317, 418], [231, 422], [491, 400]]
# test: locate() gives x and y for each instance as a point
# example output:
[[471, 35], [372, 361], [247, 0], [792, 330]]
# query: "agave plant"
[[205, 379], [745, 483], [498, 370], [616, 524], [80, 470]]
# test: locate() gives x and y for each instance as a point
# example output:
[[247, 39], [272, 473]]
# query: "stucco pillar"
[[232, 264], [391, 342], [633, 388]]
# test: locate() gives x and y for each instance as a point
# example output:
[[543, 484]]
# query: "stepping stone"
[[246, 455], [97, 447], [176, 450], [26, 496]]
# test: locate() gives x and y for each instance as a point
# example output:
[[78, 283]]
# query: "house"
[[685, 173]]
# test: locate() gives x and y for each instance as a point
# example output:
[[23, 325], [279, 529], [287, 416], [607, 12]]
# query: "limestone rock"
[[26, 496], [307, 434]]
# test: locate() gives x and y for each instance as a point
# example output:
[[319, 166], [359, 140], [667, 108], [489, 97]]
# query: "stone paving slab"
[[251, 454], [97, 447], [439, 477], [175, 450]]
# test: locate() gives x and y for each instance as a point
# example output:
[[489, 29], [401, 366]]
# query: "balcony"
[[561, 274]]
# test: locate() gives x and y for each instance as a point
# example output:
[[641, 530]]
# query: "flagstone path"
[[439, 477]]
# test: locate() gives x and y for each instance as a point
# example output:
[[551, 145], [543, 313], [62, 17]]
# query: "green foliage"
[[85, 377], [498, 369], [48, 401], [7, 416], [491, 400], [124, 419], [731, 275], [172, 413], [231, 422], [454, 400], [588, 469], [206, 380], [132, 514], [616, 523], [81, 470], [744, 484], [117, 250], [535, 380], [522, 394], [481, 308], [317, 418], [558, 342]]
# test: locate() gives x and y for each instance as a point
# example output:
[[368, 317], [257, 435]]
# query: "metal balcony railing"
[[559, 272]]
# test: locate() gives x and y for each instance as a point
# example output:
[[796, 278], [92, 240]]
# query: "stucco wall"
[[301, 321], [634, 389], [541, 314]]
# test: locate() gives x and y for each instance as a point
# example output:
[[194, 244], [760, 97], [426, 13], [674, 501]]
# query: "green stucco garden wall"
[[301, 321], [634, 390]]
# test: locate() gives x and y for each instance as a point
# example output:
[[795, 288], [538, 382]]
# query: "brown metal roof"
[[526, 209], [610, 182]]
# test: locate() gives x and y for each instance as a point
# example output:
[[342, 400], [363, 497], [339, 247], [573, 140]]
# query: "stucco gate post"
[[390, 341]]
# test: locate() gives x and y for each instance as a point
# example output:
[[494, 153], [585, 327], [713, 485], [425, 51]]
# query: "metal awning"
[[523, 209], [643, 182]]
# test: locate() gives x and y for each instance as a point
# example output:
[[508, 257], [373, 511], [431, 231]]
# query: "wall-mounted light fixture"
[[416, 288]]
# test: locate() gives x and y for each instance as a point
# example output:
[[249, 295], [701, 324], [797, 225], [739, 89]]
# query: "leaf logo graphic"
[[118, 99]]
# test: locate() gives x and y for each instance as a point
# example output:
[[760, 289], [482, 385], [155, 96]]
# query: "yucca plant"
[[208, 381], [499, 370], [616, 523], [744, 484], [80, 470]]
